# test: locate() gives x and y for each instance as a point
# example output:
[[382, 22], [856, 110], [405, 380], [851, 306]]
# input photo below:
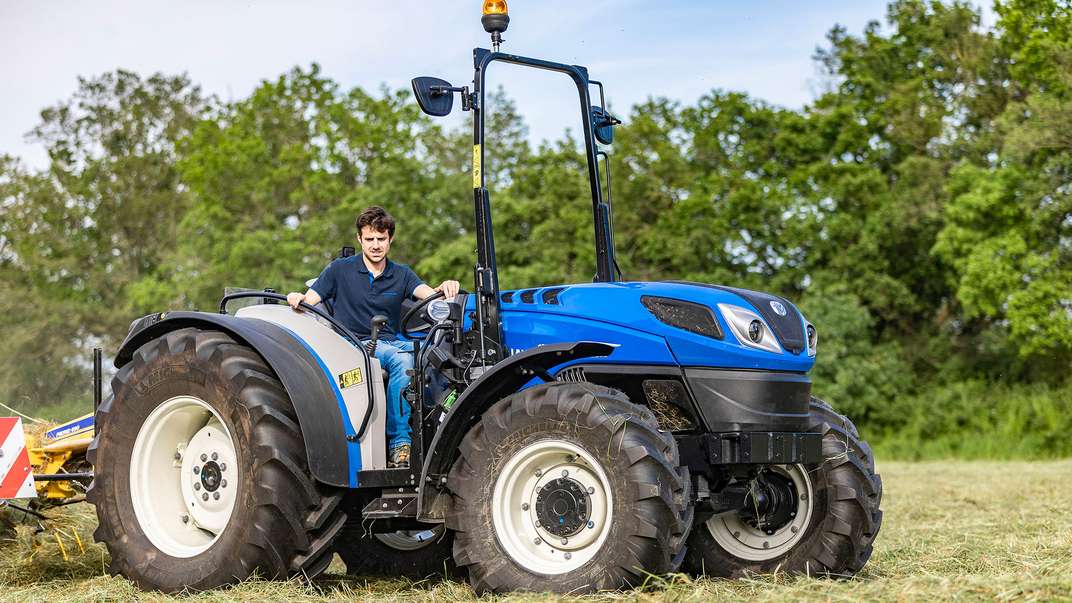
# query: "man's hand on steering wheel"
[[449, 289]]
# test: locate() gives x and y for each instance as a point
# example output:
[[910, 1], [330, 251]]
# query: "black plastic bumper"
[[734, 401], [750, 447]]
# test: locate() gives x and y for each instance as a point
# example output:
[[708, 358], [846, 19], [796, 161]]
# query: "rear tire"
[[841, 498], [569, 488], [159, 532]]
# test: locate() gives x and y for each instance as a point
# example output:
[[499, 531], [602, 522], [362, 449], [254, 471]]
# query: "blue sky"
[[678, 49]]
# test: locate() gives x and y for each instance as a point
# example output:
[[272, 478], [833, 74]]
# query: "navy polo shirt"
[[357, 297]]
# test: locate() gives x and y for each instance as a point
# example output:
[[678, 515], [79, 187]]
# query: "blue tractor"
[[567, 438]]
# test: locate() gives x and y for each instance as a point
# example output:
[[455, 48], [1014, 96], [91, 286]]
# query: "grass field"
[[986, 531]]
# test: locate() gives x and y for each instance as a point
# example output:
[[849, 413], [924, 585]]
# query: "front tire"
[[200, 471], [833, 525], [566, 487]]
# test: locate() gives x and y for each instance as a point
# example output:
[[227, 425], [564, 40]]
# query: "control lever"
[[377, 323]]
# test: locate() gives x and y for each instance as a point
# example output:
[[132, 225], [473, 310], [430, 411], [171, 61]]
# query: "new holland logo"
[[778, 308]]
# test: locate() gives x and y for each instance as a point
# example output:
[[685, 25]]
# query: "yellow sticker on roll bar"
[[476, 166]]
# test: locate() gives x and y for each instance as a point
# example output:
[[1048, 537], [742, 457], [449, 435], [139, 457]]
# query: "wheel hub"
[[771, 503], [774, 518], [552, 506], [211, 476], [562, 507]]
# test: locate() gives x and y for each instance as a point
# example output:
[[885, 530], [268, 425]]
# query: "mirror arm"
[[602, 98], [467, 98]]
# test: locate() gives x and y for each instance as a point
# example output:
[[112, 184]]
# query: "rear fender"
[[315, 397], [501, 380]]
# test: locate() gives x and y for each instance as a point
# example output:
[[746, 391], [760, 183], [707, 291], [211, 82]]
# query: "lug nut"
[[766, 544], [539, 472], [215, 456], [591, 524], [565, 472], [223, 484], [568, 556], [178, 456], [591, 490], [223, 466], [204, 496], [794, 529], [737, 534], [804, 496], [537, 540], [565, 542], [185, 519], [197, 485], [215, 496], [204, 457], [524, 506], [197, 469]]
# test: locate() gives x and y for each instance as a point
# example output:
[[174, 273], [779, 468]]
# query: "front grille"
[[573, 374]]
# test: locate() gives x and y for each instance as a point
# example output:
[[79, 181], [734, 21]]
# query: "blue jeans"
[[396, 357]]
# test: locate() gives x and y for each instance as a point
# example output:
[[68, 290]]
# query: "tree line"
[[919, 211]]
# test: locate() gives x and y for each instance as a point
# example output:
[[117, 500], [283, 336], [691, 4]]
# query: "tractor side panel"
[[313, 392], [526, 330], [350, 369]]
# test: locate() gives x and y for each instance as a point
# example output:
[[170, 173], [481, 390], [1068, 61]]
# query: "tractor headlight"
[[813, 339], [749, 328]]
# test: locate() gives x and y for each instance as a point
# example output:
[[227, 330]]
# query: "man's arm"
[[310, 297], [449, 289]]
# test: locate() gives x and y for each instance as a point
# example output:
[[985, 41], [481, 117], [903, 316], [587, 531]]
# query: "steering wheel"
[[414, 311]]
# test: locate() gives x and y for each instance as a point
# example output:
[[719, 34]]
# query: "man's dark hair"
[[378, 218]]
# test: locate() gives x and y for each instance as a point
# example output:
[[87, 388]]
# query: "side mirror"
[[603, 125], [435, 96]]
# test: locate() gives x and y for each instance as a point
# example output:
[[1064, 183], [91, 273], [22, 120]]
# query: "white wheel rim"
[[747, 542], [537, 468], [183, 512]]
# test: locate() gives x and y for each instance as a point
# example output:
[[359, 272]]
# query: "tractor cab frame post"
[[489, 323]]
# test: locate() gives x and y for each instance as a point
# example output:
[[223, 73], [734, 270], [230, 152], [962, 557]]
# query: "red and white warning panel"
[[16, 478]]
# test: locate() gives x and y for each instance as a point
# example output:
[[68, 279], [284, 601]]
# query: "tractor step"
[[392, 504]]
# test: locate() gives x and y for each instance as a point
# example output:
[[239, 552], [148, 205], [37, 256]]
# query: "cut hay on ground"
[[953, 531]]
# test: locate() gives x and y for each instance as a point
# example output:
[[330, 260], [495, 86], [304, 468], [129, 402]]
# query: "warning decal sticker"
[[350, 378]]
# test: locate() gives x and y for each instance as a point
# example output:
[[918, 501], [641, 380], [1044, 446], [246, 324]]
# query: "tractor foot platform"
[[392, 504]]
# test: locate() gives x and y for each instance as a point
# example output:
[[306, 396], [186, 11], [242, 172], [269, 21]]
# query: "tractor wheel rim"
[[183, 476], [745, 541], [552, 507], [410, 540]]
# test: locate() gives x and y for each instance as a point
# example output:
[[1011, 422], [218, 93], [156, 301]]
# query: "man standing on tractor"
[[368, 284]]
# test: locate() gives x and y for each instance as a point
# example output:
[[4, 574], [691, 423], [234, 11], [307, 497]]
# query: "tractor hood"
[[701, 324]]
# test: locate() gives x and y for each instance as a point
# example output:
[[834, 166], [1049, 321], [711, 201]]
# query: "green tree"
[[79, 235]]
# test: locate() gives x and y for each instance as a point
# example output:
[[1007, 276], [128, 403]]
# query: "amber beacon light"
[[495, 19]]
